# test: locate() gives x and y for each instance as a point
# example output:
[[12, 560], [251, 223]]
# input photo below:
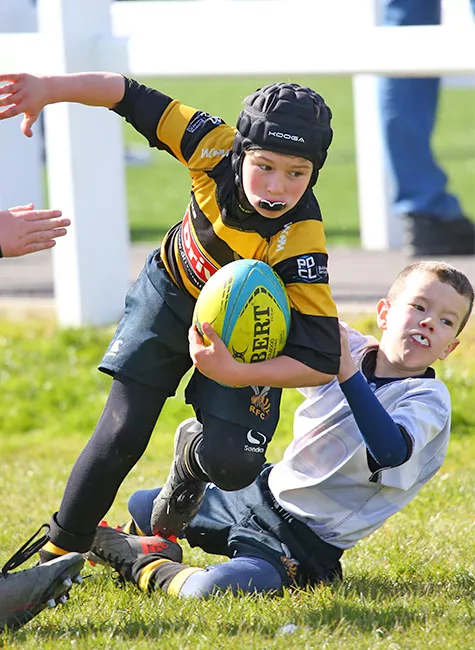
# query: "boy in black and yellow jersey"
[[251, 197]]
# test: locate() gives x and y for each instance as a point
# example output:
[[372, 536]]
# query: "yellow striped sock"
[[131, 528], [177, 582], [147, 571], [49, 547]]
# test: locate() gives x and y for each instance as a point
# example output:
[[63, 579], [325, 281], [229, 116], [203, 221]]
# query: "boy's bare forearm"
[[89, 88], [283, 372]]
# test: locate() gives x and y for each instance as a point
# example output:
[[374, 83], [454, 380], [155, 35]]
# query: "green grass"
[[158, 192], [410, 585]]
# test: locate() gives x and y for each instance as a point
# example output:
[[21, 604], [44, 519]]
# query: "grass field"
[[158, 192], [410, 585]]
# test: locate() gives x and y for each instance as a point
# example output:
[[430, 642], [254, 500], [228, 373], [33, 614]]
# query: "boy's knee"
[[230, 455], [232, 472]]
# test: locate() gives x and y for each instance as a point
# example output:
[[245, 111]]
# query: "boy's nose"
[[427, 322], [275, 185]]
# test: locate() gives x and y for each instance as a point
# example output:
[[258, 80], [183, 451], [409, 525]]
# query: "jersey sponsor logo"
[[309, 268], [282, 240], [285, 136], [198, 268], [200, 119], [260, 403], [309, 271], [208, 152]]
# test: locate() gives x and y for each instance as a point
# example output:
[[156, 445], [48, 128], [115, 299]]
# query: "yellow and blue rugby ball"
[[247, 304]]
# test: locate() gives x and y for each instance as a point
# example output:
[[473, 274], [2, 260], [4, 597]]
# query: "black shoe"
[[180, 498], [24, 594], [427, 234], [120, 550]]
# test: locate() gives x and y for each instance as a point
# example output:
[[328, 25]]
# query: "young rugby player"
[[251, 197], [364, 446]]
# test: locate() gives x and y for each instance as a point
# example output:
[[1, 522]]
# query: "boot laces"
[[29, 548]]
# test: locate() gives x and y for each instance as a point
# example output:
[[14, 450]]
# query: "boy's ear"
[[382, 309], [449, 349]]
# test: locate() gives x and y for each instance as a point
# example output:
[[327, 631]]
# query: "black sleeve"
[[314, 341], [143, 108]]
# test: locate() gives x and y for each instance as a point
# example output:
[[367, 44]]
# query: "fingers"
[[40, 216], [41, 236], [40, 220], [21, 208], [194, 337], [7, 91], [11, 111], [209, 332], [34, 247], [27, 123], [10, 79], [18, 96]]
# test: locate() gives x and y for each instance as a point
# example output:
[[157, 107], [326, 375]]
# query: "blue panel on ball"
[[248, 276], [243, 287]]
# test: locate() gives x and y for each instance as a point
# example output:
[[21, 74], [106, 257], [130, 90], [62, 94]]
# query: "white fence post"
[[379, 228], [85, 172], [20, 158]]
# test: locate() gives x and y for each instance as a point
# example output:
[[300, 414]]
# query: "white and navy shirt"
[[325, 478]]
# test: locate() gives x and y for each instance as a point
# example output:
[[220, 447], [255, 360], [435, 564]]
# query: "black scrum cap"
[[286, 118]]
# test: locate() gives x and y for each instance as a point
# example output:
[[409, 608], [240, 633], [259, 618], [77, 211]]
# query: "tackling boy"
[[364, 446]]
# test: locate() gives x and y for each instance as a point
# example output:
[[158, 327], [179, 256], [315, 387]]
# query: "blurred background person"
[[434, 222]]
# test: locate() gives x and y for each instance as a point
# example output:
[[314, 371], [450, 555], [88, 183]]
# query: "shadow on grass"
[[360, 604], [460, 584]]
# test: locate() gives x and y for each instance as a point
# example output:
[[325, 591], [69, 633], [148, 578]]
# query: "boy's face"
[[420, 325], [273, 182]]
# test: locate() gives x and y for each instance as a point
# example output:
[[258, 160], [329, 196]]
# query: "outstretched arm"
[[387, 443], [29, 94], [25, 230]]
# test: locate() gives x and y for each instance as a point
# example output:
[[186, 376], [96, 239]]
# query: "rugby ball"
[[247, 304]]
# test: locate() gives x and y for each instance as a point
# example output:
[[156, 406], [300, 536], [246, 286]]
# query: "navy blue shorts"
[[150, 346], [250, 523]]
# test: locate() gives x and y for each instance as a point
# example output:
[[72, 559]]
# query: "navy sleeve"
[[387, 443], [143, 108]]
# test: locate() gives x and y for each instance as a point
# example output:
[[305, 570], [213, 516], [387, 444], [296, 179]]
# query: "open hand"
[[22, 93], [26, 230]]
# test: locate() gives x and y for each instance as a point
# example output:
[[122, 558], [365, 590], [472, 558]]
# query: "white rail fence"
[[85, 151]]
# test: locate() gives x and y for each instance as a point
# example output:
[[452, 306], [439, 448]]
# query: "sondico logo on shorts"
[[260, 404], [256, 440]]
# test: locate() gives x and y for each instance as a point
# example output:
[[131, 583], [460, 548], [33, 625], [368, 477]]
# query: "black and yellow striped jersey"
[[216, 229]]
